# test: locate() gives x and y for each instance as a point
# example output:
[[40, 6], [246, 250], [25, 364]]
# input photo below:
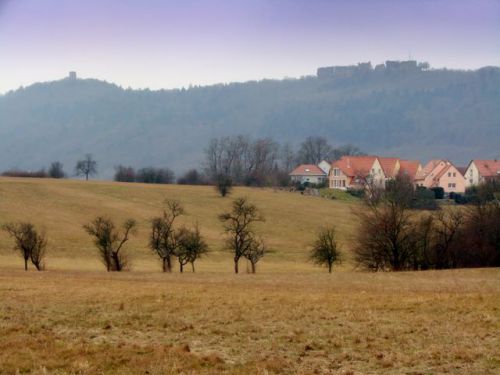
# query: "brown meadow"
[[291, 317]]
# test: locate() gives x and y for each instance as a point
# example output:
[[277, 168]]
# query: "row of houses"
[[354, 172]]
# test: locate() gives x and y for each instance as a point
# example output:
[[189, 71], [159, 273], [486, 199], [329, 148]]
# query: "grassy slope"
[[76, 318], [62, 207]]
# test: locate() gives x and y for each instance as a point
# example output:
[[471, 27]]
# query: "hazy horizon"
[[155, 44]]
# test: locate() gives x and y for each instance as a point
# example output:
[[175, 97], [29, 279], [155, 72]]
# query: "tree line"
[[392, 235], [170, 241], [263, 161]]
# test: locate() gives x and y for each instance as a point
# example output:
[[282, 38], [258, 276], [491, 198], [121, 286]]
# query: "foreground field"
[[63, 206], [347, 323]]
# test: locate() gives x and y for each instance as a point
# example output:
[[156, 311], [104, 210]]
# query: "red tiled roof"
[[353, 166], [409, 168], [308, 170], [389, 166], [488, 168]]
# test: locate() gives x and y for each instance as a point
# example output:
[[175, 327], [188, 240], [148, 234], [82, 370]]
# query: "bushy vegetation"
[[392, 236], [147, 175], [30, 243]]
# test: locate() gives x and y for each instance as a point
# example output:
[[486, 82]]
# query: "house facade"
[[441, 173], [356, 172], [480, 171], [308, 173]]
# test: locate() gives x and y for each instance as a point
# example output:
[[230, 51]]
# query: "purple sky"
[[165, 44]]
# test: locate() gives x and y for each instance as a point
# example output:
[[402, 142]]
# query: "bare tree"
[[109, 241], [86, 167], [287, 157], [238, 224], [29, 243], [448, 224], [191, 246], [345, 150], [384, 238], [255, 251], [326, 250], [124, 174], [56, 170], [224, 185], [313, 150], [163, 239]]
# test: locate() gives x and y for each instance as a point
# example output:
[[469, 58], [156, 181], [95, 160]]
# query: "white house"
[[480, 171], [308, 173]]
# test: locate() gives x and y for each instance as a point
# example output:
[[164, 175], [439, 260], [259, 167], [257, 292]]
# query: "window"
[[454, 174], [449, 185], [470, 181], [449, 174], [336, 172], [453, 185], [343, 183]]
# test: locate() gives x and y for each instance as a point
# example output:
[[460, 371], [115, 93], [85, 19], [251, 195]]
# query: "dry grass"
[[290, 318], [94, 322], [63, 206]]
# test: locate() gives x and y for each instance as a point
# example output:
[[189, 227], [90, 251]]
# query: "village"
[[356, 172]]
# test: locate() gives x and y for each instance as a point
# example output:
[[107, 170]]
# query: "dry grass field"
[[63, 206], [290, 318]]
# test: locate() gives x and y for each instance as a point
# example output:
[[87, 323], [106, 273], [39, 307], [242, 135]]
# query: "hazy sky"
[[174, 43]]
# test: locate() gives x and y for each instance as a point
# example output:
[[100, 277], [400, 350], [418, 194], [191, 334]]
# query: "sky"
[[176, 43]]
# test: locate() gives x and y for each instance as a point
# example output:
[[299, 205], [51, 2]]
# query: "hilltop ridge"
[[418, 113]]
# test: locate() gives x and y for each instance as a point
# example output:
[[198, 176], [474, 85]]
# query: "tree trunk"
[[329, 268], [236, 265], [253, 266], [181, 268], [116, 261], [86, 176], [167, 264], [192, 266], [25, 264]]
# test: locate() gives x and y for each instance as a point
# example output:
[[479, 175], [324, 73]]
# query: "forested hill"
[[420, 114]]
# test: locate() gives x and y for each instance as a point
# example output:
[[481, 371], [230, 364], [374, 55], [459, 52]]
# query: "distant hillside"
[[416, 113]]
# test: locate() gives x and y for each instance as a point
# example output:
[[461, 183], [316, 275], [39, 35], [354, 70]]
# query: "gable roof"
[[429, 167], [389, 166], [353, 166], [409, 168], [488, 168], [442, 171], [307, 170]]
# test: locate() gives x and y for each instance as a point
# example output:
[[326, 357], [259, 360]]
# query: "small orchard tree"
[[163, 239], [56, 170], [191, 246], [31, 244], [326, 251], [86, 167], [109, 240], [255, 251], [238, 224], [224, 184]]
